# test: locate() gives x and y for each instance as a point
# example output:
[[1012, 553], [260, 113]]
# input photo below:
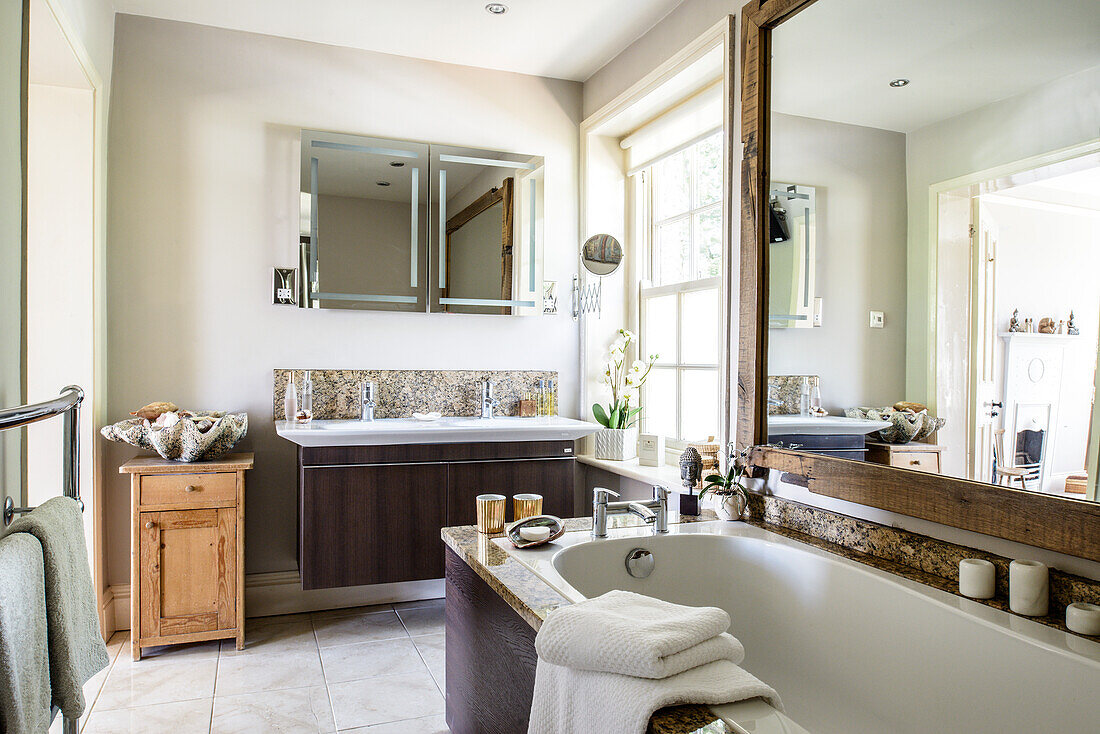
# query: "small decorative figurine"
[[1014, 324], [1046, 325], [1029, 326], [1071, 326], [1061, 327], [691, 469]]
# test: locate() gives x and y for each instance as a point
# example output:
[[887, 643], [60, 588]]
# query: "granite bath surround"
[[404, 392], [938, 624]]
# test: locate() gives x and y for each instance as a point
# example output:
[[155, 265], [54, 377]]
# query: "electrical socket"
[[878, 319], [284, 286]]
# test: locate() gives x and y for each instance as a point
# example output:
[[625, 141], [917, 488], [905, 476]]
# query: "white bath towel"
[[624, 632], [570, 701]]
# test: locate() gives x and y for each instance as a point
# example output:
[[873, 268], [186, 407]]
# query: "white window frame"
[[647, 227]]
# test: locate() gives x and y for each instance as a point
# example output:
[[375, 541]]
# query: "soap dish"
[[428, 417], [553, 524]]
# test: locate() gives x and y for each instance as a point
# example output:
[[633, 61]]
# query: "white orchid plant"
[[624, 380]]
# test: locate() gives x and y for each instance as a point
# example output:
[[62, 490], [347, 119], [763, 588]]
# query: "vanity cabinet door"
[[371, 524], [552, 478]]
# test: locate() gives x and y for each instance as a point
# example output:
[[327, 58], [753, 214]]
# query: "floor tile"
[[183, 717], [423, 620], [381, 700], [370, 660], [428, 725], [350, 611], [359, 628], [297, 711], [433, 649], [417, 604], [277, 619], [151, 656], [268, 672], [145, 683], [271, 637]]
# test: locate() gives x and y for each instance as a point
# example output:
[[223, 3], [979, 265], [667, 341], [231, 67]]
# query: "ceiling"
[[1079, 189], [565, 39], [834, 60]]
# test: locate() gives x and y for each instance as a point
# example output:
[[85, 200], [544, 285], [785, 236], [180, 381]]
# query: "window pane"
[[708, 243], [699, 413], [659, 402], [659, 328], [708, 170], [699, 328], [673, 252], [671, 179]]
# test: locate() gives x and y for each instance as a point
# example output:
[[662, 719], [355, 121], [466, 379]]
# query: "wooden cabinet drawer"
[[197, 490], [928, 461]]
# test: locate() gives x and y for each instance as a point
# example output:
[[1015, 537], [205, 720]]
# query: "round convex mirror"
[[602, 254]]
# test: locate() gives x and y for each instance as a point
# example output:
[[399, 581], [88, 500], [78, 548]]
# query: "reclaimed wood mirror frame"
[[1059, 524]]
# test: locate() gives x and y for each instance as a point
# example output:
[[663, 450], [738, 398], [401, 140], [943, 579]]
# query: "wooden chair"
[[1005, 474]]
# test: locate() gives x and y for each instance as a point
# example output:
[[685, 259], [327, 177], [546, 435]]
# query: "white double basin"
[[828, 425], [386, 431]]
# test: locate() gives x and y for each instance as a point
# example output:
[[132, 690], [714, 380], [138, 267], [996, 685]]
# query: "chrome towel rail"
[[67, 405]]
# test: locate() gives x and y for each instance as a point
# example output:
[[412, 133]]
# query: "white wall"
[[859, 176], [60, 294], [204, 201]]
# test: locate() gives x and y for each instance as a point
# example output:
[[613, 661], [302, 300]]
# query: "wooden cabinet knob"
[[150, 524], [915, 462], [190, 488]]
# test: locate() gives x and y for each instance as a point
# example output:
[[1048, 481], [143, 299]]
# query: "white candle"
[[534, 532], [1028, 588], [1083, 618], [977, 578]]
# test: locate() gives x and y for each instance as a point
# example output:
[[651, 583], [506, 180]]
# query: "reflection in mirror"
[[601, 254], [953, 238], [486, 248], [364, 222]]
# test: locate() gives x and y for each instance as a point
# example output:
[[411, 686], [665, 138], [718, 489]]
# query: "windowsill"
[[666, 475]]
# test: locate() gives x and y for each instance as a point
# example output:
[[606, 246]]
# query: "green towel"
[[76, 647], [24, 665]]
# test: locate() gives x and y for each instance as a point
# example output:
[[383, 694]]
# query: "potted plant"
[[729, 490], [618, 439]]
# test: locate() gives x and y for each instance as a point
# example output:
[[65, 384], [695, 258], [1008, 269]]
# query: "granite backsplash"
[[788, 390], [400, 393]]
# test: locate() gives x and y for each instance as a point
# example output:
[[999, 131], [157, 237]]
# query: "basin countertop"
[[827, 425], [388, 431]]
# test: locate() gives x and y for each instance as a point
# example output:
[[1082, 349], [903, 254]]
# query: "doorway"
[[1017, 253]]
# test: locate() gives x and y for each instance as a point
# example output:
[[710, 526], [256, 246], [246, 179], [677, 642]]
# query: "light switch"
[[878, 319], [817, 311]]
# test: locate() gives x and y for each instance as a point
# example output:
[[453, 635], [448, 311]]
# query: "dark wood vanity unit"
[[372, 514]]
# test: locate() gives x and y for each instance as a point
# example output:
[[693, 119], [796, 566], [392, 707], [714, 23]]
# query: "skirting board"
[[268, 594]]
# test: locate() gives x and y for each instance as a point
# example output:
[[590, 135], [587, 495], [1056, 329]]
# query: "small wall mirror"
[[792, 253], [601, 254], [364, 222], [485, 248]]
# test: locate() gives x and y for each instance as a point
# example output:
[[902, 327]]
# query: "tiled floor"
[[370, 669]]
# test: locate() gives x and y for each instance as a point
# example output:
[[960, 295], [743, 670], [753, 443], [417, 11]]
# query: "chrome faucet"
[[654, 512], [366, 400], [488, 402]]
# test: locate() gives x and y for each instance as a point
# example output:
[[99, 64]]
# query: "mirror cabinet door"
[[364, 223], [486, 239]]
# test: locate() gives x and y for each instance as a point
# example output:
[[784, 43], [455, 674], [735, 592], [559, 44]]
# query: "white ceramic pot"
[[727, 508], [617, 444], [1028, 588]]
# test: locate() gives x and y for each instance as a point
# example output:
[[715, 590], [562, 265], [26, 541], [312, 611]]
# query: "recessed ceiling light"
[[382, 183], [497, 8], [899, 82], [397, 164]]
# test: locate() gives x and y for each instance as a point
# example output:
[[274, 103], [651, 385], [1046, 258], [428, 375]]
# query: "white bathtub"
[[850, 649]]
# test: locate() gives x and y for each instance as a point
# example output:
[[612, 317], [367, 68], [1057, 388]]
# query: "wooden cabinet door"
[[188, 570], [371, 524], [552, 478]]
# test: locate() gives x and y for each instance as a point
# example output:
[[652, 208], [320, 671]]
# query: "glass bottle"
[[305, 409]]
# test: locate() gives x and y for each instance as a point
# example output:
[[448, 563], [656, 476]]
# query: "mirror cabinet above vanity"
[[920, 239], [393, 225]]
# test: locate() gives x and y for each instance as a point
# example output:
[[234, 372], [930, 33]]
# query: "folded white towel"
[[570, 701], [624, 632]]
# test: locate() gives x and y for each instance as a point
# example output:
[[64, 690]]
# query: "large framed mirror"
[[950, 280], [364, 231]]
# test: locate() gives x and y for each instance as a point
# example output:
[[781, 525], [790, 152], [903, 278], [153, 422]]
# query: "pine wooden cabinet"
[[187, 550], [926, 457]]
